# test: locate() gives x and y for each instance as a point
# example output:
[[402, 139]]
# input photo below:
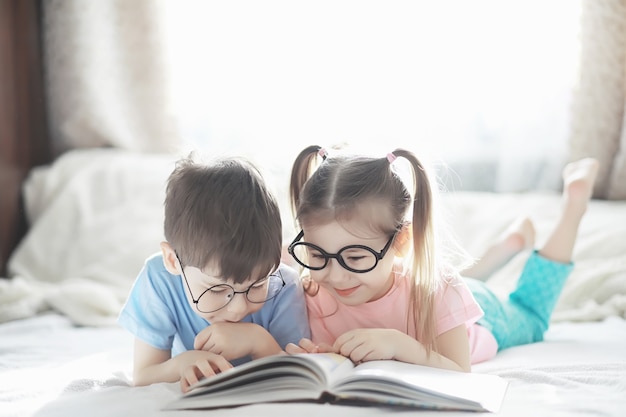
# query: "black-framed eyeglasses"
[[354, 258], [218, 296]]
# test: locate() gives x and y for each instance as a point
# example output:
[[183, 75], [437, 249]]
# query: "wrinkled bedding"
[[95, 215], [50, 367]]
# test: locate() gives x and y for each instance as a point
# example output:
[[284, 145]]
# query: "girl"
[[359, 222]]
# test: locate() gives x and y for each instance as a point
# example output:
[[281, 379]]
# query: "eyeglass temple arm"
[[182, 272]]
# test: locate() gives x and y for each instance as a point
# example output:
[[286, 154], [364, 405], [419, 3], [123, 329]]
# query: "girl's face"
[[351, 288]]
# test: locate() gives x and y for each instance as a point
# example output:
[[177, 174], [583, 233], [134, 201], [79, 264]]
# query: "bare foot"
[[518, 236], [578, 180]]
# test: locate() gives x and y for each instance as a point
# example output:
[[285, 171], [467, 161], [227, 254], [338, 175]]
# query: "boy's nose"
[[238, 304]]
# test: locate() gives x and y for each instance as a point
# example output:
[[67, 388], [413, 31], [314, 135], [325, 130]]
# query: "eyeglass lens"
[[218, 296], [355, 258]]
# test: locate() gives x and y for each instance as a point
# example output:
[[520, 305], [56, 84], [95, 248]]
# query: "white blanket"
[[50, 368], [97, 214], [597, 286]]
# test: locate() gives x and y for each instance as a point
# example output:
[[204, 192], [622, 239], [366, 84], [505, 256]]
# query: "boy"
[[216, 295]]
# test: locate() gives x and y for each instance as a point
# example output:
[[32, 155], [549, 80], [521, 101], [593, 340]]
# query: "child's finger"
[[292, 349], [206, 368], [188, 378], [184, 385], [326, 348], [201, 340], [220, 364], [308, 346], [346, 343]]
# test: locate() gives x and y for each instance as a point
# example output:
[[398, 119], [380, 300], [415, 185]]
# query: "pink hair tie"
[[322, 152], [391, 157]]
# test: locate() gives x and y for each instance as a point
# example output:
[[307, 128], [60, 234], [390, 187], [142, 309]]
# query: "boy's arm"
[[236, 340], [153, 365]]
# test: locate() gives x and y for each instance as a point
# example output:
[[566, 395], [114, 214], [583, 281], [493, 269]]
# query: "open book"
[[328, 377]]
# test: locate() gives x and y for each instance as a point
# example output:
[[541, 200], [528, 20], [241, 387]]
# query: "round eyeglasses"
[[218, 296], [354, 258]]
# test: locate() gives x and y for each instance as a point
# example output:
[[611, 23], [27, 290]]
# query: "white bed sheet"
[[96, 215], [50, 367]]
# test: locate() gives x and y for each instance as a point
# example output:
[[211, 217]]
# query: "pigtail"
[[301, 170], [424, 274], [300, 173]]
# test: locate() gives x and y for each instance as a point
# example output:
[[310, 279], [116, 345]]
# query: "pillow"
[[94, 216]]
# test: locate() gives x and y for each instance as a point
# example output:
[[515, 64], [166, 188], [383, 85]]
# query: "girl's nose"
[[334, 272]]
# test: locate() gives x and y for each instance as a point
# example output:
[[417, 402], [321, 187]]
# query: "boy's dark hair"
[[222, 212]]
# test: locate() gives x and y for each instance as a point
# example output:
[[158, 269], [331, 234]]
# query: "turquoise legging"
[[525, 316]]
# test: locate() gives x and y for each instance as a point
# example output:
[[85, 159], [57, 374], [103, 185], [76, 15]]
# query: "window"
[[481, 85]]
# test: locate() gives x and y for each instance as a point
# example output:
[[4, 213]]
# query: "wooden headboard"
[[24, 139]]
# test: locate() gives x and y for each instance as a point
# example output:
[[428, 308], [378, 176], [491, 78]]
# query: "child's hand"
[[307, 346], [362, 345], [236, 340], [200, 365]]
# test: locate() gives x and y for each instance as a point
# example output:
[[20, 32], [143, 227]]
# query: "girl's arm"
[[452, 353], [453, 346], [153, 365], [373, 344]]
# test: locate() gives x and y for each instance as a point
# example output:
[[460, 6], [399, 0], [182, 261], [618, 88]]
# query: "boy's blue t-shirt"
[[157, 310]]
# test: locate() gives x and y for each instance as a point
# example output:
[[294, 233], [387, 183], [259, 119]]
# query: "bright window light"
[[448, 79]]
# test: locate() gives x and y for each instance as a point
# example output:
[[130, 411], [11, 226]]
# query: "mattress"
[[95, 215], [52, 367]]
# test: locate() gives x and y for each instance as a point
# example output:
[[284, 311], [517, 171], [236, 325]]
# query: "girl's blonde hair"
[[341, 185]]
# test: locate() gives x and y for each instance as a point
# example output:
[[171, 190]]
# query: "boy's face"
[[214, 298], [221, 300]]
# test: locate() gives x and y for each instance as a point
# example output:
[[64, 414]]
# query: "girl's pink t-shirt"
[[454, 304]]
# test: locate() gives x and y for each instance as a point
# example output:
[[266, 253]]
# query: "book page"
[[313, 370], [335, 367], [303, 377], [402, 383]]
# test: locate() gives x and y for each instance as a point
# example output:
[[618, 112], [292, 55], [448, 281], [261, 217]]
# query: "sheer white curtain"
[[106, 75], [482, 86]]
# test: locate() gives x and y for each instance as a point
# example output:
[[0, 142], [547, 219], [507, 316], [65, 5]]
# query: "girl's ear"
[[169, 259], [403, 240]]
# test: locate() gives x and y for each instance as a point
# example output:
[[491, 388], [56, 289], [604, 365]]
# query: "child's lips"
[[346, 292]]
